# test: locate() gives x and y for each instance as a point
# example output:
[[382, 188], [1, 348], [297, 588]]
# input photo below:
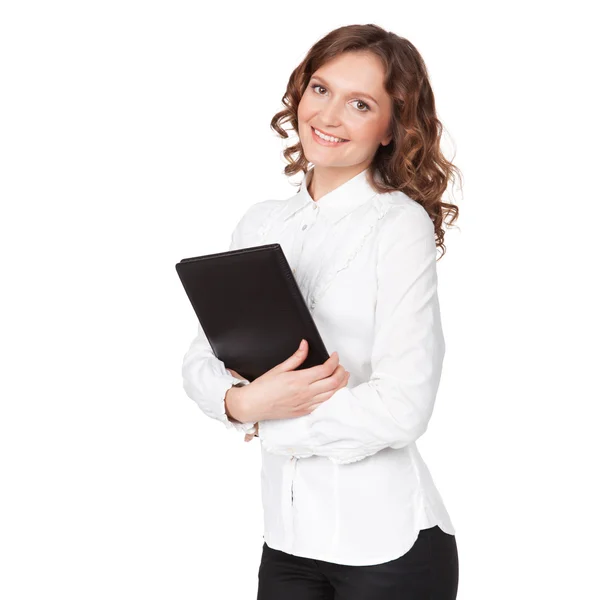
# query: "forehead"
[[354, 71]]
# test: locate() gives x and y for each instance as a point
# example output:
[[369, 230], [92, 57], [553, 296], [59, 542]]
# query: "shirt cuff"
[[230, 422], [274, 436]]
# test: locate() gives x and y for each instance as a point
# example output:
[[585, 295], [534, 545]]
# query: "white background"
[[134, 134]]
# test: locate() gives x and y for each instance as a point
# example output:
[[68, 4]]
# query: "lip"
[[325, 142]]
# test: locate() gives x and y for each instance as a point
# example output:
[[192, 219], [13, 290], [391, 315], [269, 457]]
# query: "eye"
[[364, 104], [367, 107]]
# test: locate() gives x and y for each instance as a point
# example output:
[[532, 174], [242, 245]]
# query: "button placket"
[[303, 228], [287, 504]]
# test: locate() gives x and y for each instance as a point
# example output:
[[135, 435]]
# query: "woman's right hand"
[[284, 392]]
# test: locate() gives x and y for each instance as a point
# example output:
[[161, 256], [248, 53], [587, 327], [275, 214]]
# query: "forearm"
[[207, 382], [356, 422]]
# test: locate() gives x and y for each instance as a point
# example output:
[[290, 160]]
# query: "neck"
[[326, 179]]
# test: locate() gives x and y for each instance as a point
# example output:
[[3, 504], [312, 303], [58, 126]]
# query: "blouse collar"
[[335, 204]]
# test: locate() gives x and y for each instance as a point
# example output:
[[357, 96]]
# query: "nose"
[[330, 113]]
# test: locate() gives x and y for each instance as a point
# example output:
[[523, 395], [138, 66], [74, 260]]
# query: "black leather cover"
[[250, 308]]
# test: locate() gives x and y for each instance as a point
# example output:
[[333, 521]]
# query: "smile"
[[327, 140]]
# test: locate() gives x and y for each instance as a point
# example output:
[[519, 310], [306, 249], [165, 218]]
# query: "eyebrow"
[[353, 93]]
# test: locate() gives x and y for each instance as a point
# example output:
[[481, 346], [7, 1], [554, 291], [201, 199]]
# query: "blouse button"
[[304, 227]]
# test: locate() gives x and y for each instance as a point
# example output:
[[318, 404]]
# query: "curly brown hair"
[[413, 161]]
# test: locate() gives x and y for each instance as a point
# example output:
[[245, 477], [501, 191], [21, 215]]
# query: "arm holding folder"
[[205, 378], [285, 386]]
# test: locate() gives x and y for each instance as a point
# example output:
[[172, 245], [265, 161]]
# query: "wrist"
[[234, 403]]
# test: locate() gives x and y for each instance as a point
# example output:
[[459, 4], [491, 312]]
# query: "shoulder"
[[260, 209], [256, 213], [252, 221], [402, 210], [406, 223]]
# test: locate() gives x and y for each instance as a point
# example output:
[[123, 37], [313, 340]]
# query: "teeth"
[[328, 137]]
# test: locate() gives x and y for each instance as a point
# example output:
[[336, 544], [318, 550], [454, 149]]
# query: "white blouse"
[[346, 483]]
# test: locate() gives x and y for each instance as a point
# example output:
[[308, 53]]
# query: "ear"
[[388, 137], [386, 140]]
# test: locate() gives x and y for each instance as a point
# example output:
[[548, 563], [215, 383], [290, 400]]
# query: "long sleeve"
[[206, 381], [205, 378], [393, 408]]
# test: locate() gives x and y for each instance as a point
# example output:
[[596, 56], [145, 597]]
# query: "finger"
[[322, 390], [322, 371], [235, 374], [331, 382], [322, 396], [294, 361]]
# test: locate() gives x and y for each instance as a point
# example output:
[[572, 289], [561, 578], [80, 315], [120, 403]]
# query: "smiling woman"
[[350, 508], [364, 112]]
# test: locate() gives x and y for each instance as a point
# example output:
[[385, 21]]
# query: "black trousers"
[[428, 571]]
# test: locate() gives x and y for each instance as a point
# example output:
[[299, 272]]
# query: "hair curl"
[[413, 161]]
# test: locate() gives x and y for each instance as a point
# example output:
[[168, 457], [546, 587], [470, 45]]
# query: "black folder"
[[251, 308]]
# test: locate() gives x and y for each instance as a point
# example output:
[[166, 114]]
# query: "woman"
[[350, 508]]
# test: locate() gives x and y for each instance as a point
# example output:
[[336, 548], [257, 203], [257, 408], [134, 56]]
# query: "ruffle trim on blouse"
[[347, 460], [376, 211], [337, 250], [280, 452], [339, 460]]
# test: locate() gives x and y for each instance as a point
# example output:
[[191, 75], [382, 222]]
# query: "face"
[[345, 98]]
